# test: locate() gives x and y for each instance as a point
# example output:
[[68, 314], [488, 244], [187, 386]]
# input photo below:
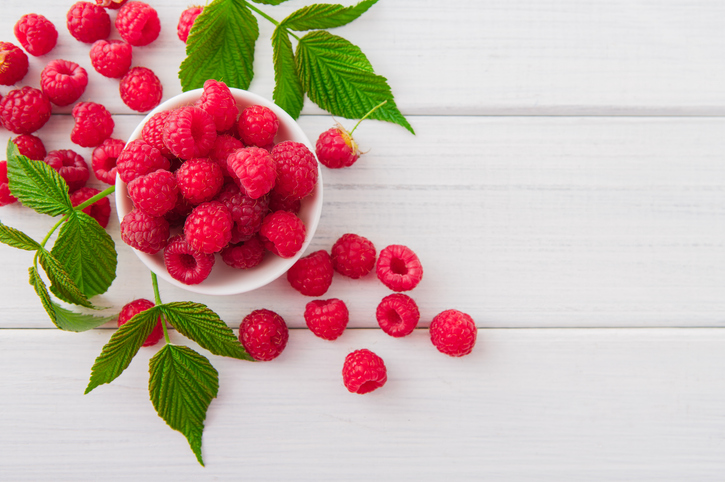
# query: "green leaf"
[[202, 325], [221, 46], [37, 283], [61, 284], [182, 384], [36, 184], [17, 239], [325, 15], [338, 77], [269, 2], [288, 92]]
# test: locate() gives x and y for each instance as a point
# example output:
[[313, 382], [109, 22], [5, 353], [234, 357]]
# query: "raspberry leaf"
[[325, 15], [288, 92], [17, 239], [42, 291], [61, 283], [269, 2], [182, 384]]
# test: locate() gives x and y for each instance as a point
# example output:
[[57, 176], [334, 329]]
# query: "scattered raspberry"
[[138, 159], [254, 170], [327, 318], [223, 146], [135, 307], [264, 334], [5, 196], [399, 268], [397, 315], [186, 21], [138, 23], [30, 146], [186, 264], [209, 227], [24, 110], [140, 89], [153, 132], [278, 203], [257, 126], [363, 371], [199, 180], [217, 100], [63, 82], [111, 58], [13, 64], [453, 333], [71, 166], [283, 233], [245, 255], [353, 255], [94, 124], [312, 275], [296, 169], [36, 34], [189, 132], [111, 4], [143, 232], [87, 22], [99, 210], [336, 148], [155, 193], [104, 159], [247, 213]]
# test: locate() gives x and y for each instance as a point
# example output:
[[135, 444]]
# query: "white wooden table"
[[566, 187]]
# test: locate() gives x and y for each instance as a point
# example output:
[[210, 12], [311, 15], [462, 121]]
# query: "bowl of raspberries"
[[218, 190]]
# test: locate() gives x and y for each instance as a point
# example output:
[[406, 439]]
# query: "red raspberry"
[[138, 159], [246, 255], [283, 233], [278, 203], [264, 334], [327, 318], [312, 275], [217, 100], [353, 255], [153, 132], [363, 371], [138, 23], [186, 21], [135, 307], [155, 193], [5, 196], [140, 89], [257, 126], [36, 34], [13, 64], [399, 268], [71, 166], [453, 333], [177, 215], [24, 110], [111, 58], [99, 210], [143, 232], [336, 148], [296, 169], [199, 180], [63, 82], [247, 213], [397, 315], [104, 159], [224, 145], [189, 132], [238, 235], [31, 147], [94, 124], [186, 264], [209, 227], [111, 4], [88, 22], [254, 170]]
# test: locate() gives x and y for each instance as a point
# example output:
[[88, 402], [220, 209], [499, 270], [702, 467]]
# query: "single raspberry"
[[138, 23], [135, 307], [87, 22], [36, 34], [71, 166], [336, 148], [199, 180], [224, 145], [186, 21], [189, 132], [30, 146], [99, 210], [138, 159], [312, 275], [186, 264], [283, 233], [363, 371], [63, 82], [257, 126], [103, 160], [5, 196], [111, 4], [140, 89], [296, 169], [327, 318], [24, 110], [279, 203], [254, 170], [111, 58], [143, 232], [155, 193], [353, 255], [245, 255], [177, 215], [94, 124], [209, 227], [397, 315], [264, 334], [453, 333], [153, 132], [13, 64], [217, 100], [399, 268], [247, 213]]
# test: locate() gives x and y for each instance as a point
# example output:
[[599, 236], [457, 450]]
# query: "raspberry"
[[155, 193], [94, 124], [245, 255], [209, 227], [199, 180], [36, 34], [336, 148], [140, 89], [363, 371], [138, 23], [63, 82], [30, 146], [296, 169], [135, 307], [397, 315], [186, 21], [87, 22], [264, 334], [189, 132], [247, 213], [111, 4], [99, 210], [153, 132], [353, 255], [312, 275], [257, 126], [71, 166], [186, 264], [453, 333], [138, 159], [327, 318], [399, 268], [13, 64], [239, 236], [143, 232], [103, 160], [111, 58], [180, 211], [283, 233], [24, 110], [278, 203], [254, 170], [217, 101], [5, 196], [223, 146]]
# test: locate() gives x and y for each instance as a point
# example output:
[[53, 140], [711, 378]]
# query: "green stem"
[[157, 301], [368, 114], [52, 230], [275, 22], [95, 198]]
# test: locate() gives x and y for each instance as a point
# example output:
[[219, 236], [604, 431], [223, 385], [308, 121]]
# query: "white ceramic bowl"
[[223, 279]]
